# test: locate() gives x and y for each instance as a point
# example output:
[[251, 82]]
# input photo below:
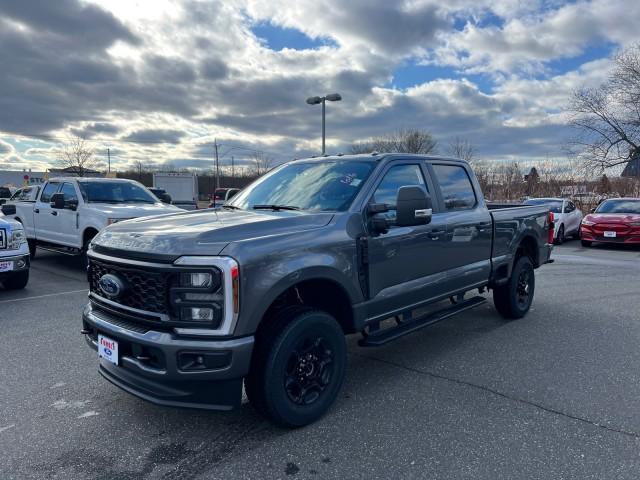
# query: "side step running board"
[[387, 335], [63, 250]]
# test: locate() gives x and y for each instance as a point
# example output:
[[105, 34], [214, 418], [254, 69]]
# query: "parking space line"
[[43, 296]]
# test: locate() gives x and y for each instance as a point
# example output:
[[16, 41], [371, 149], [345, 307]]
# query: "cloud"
[[157, 81], [5, 148], [155, 136]]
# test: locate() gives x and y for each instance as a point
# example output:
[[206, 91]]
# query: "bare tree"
[[260, 164], [76, 155], [409, 140], [607, 118], [462, 148]]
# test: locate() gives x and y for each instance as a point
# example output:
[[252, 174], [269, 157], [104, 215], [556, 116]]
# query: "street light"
[[332, 97]]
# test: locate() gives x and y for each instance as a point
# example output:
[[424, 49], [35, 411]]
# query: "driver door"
[[406, 264]]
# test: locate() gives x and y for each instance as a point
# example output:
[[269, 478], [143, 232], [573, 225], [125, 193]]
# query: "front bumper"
[[151, 366], [20, 262]]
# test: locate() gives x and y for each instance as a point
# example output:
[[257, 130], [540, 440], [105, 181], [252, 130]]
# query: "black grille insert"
[[146, 290]]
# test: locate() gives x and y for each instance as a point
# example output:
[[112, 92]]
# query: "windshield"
[[619, 206], [555, 206], [328, 186], [115, 192]]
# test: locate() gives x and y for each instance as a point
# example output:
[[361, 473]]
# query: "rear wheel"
[[298, 367], [514, 298], [585, 243], [16, 281], [560, 235]]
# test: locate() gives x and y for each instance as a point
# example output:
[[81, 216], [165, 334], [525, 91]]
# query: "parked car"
[[69, 211], [162, 195], [183, 308], [14, 251], [616, 220], [566, 216], [222, 196]]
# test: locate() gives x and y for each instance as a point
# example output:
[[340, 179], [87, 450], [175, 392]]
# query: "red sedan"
[[616, 220]]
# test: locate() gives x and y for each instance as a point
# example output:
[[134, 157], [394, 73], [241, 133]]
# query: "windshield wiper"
[[231, 207], [275, 207]]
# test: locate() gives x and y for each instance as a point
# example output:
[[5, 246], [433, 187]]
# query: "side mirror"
[[593, 210], [413, 206], [57, 201], [8, 209]]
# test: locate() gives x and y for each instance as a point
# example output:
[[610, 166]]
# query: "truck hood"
[[131, 210], [204, 232], [613, 218]]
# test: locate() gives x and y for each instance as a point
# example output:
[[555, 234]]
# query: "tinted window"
[[315, 185], [69, 192], [5, 192], [49, 190], [114, 192], [396, 177], [455, 186], [619, 206], [18, 194]]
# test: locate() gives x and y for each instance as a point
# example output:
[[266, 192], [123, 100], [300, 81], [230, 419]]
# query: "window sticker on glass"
[[348, 178]]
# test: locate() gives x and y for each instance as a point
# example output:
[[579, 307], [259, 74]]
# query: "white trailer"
[[182, 187]]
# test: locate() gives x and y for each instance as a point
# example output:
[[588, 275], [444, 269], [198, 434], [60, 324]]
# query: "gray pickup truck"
[[183, 308]]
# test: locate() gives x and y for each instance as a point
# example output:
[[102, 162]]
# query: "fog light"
[[198, 280], [200, 314], [21, 263]]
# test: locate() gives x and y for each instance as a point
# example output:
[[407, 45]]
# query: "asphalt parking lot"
[[554, 395]]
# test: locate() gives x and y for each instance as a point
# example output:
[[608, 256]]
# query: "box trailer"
[[182, 187]]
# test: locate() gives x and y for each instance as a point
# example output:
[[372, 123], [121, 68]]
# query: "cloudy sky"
[[157, 81]]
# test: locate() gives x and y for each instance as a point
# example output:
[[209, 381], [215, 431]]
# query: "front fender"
[[258, 296]]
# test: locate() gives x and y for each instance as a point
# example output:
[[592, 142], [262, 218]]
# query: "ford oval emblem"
[[111, 285]]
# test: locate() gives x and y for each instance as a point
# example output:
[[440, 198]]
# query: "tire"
[[32, 248], [16, 281], [290, 389], [560, 236], [585, 243], [514, 298], [576, 235]]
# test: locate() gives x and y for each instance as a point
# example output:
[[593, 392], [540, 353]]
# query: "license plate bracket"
[[108, 349], [609, 234], [6, 266]]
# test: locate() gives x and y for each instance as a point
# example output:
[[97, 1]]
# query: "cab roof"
[[376, 157]]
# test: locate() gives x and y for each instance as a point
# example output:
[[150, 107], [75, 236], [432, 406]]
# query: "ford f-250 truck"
[[183, 308], [14, 252], [68, 211]]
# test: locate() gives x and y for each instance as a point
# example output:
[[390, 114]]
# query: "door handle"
[[55, 214], [36, 210], [483, 226]]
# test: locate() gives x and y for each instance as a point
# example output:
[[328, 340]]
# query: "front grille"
[[146, 290]]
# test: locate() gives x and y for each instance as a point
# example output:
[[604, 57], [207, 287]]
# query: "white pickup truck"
[[69, 211], [14, 253]]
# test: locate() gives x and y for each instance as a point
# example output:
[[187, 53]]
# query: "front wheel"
[[32, 248], [16, 281], [298, 367], [514, 298]]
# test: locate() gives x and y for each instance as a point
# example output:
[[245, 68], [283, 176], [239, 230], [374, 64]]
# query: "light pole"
[[332, 97]]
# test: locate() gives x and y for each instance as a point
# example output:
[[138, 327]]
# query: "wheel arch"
[[319, 288]]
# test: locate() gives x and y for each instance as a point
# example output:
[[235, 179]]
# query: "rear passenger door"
[[406, 264], [469, 226]]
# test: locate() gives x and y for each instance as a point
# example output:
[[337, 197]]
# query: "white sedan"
[[566, 216]]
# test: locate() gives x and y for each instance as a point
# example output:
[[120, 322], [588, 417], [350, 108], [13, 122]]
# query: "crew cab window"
[[456, 188], [69, 192], [396, 177], [49, 190]]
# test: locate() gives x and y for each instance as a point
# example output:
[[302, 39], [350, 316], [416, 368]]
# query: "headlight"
[[17, 238], [634, 224], [588, 223]]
